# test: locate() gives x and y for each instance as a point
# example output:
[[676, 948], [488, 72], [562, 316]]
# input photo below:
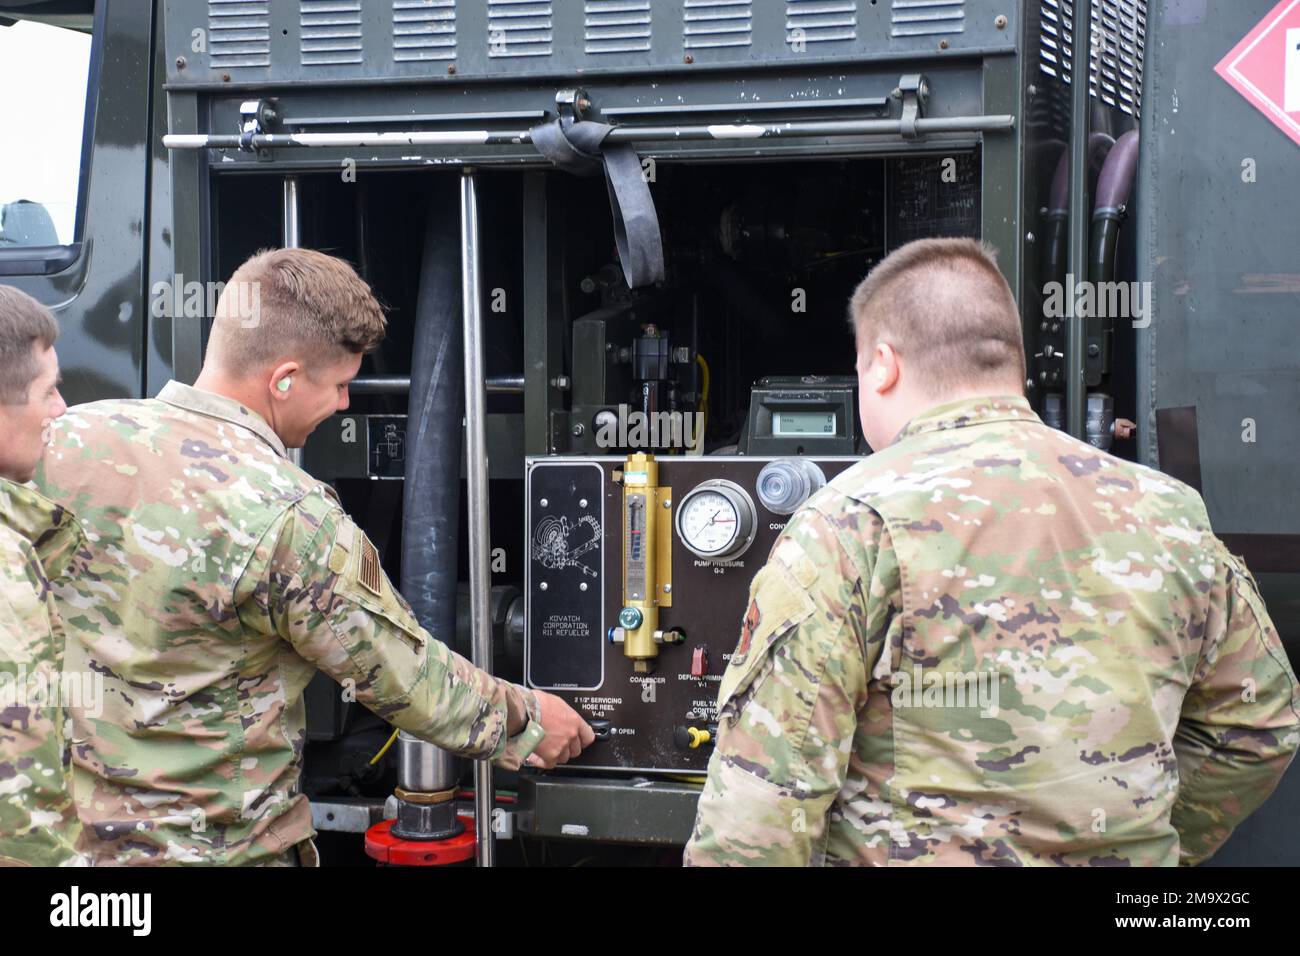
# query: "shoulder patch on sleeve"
[[371, 574], [343, 542], [753, 617], [792, 554]]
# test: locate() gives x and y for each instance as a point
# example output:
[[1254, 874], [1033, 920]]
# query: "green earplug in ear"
[[284, 383]]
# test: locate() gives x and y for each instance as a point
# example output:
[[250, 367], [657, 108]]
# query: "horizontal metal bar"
[[343, 816], [622, 73], [471, 137], [381, 385], [620, 134], [401, 385], [866, 102], [500, 116], [870, 127]]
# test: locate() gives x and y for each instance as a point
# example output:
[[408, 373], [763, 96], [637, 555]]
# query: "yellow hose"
[[704, 401], [384, 749]]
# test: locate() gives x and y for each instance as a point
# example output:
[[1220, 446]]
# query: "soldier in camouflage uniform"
[[989, 643], [38, 819], [220, 577]]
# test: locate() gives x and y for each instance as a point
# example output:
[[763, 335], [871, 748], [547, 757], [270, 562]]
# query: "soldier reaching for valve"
[[38, 819], [219, 577], [1124, 697]]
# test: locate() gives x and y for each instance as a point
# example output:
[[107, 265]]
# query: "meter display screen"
[[803, 423]]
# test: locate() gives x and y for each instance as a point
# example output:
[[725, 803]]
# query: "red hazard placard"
[[1265, 67]]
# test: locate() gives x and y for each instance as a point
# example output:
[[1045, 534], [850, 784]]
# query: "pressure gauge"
[[716, 520]]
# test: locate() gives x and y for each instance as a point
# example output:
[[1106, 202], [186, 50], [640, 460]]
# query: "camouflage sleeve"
[[1240, 722], [38, 820], [788, 705], [329, 597]]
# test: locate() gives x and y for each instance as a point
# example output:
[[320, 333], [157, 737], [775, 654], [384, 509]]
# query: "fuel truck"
[[615, 240]]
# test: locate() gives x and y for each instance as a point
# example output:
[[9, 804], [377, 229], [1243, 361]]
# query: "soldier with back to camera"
[[989, 643]]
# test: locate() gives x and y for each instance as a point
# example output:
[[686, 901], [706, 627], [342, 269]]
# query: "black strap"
[[580, 148], [1177, 445]]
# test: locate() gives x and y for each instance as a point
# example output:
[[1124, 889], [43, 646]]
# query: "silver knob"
[[785, 484]]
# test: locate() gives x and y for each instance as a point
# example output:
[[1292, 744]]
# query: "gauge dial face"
[[709, 523], [716, 520]]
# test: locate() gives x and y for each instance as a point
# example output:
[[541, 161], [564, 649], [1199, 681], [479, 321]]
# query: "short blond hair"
[[945, 308], [295, 304], [24, 322]]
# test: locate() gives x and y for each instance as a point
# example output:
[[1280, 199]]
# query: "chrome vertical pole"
[[291, 238], [1076, 397], [476, 471]]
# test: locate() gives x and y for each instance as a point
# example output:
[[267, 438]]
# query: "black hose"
[[1113, 189], [431, 496], [1056, 228], [431, 492]]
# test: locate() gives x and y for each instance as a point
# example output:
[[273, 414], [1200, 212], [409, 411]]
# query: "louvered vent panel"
[[710, 24], [239, 33], [616, 26], [519, 28], [424, 30], [329, 32], [1116, 50], [820, 21], [919, 18]]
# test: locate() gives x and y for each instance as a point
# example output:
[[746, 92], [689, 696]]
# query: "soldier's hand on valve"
[[566, 732]]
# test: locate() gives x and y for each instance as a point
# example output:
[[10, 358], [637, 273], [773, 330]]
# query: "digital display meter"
[[802, 415], [803, 423]]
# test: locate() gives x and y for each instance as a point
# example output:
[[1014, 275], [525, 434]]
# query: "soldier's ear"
[[281, 380], [884, 368]]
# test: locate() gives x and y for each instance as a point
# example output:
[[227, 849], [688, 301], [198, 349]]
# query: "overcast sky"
[[42, 104]]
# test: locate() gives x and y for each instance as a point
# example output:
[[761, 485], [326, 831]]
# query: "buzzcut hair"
[[946, 309], [296, 304], [24, 322]]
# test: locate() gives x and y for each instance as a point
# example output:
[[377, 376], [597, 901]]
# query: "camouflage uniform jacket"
[[219, 577], [993, 644], [38, 819]]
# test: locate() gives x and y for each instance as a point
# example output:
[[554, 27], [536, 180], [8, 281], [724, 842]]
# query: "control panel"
[[637, 582]]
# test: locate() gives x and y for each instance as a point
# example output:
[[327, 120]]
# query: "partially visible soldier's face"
[[314, 397], [26, 428]]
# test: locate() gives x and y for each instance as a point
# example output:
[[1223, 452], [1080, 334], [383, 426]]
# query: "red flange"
[[386, 848]]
